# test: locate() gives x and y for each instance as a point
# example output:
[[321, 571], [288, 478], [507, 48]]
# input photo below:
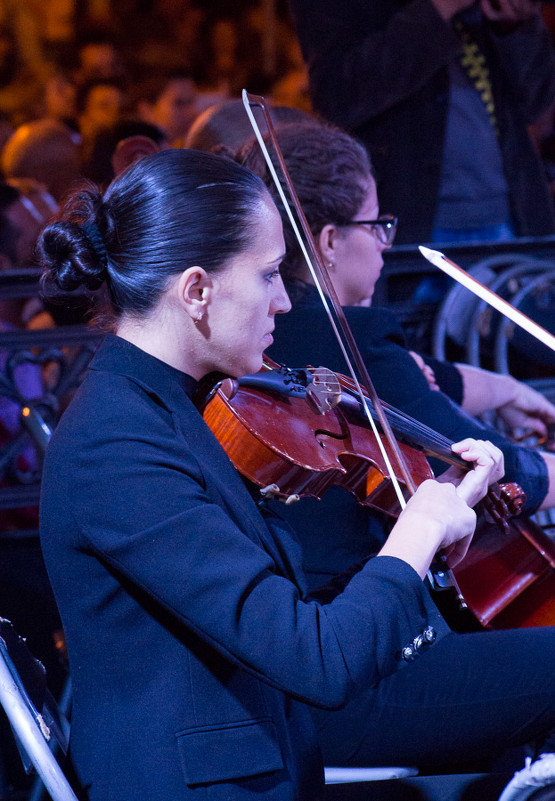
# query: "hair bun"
[[71, 256]]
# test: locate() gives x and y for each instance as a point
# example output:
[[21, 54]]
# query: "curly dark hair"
[[329, 170]]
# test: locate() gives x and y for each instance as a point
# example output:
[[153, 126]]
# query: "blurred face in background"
[[355, 252], [103, 108], [175, 109], [59, 98], [100, 60]]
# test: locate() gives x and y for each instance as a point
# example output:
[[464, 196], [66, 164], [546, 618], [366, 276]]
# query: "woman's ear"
[[130, 150], [193, 290], [327, 242]]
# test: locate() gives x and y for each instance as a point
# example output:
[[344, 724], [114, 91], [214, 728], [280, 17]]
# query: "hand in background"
[[509, 11]]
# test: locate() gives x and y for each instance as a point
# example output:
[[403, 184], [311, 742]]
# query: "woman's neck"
[[155, 334]]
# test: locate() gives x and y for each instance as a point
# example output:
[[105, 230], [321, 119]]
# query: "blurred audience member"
[[21, 68], [19, 228], [59, 99], [99, 58], [100, 103], [58, 18], [45, 150], [227, 125], [136, 137], [174, 40], [292, 88], [169, 102], [225, 69], [21, 21]]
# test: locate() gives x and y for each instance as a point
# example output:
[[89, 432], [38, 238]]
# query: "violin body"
[[507, 578], [290, 451]]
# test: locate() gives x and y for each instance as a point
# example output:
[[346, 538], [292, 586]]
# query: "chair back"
[[32, 712]]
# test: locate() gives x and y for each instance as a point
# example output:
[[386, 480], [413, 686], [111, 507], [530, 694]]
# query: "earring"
[[198, 319]]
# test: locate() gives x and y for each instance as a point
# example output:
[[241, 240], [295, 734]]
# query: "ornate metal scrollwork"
[[39, 371]]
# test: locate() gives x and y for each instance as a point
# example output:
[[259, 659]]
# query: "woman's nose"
[[281, 302]]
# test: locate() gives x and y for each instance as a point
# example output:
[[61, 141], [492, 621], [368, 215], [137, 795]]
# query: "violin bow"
[[326, 290], [453, 270]]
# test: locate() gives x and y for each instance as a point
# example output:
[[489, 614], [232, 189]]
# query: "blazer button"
[[429, 634], [407, 654], [418, 642]]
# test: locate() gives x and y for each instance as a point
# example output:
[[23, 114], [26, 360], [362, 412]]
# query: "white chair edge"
[[344, 775]]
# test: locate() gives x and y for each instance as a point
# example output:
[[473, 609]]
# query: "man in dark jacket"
[[440, 92]]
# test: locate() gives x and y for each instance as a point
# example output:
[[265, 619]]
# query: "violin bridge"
[[324, 391]]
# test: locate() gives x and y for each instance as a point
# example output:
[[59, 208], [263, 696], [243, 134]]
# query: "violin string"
[[407, 425], [258, 134]]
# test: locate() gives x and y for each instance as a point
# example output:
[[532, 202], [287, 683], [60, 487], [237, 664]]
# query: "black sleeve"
[[364, 57], [448, 378]]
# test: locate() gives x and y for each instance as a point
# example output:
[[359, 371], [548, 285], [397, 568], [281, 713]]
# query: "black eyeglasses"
[[384, 228]]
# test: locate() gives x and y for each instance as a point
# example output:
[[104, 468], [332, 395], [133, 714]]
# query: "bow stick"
[[325, 288]]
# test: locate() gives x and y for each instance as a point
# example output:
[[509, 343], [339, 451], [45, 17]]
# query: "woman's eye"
[[274, 274]]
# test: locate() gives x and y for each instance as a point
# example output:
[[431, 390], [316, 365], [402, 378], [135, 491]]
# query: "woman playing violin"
[[195, 650], [333, 177]]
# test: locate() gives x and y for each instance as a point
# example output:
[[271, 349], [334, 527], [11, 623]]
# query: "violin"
[[295, 433]]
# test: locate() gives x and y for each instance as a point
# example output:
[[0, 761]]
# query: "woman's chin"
[[247, 368]]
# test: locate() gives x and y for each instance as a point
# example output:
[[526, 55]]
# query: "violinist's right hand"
[[435, 518]]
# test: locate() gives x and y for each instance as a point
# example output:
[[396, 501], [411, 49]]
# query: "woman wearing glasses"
[[333, 178]]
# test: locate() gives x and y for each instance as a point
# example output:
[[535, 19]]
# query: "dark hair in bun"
[[169, 211], [67, 250]]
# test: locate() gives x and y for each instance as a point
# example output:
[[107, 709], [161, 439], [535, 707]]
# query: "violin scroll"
[[503, 502]]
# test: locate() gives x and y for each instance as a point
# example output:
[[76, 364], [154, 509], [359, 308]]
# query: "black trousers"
[[466, 700]]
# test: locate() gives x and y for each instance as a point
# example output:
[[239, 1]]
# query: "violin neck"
[[409, 430]]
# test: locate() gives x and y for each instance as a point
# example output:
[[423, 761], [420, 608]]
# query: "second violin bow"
[[453, 270]]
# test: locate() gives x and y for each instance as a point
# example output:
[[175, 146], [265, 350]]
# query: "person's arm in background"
[[365, 58], [525, 51], [518, 405]]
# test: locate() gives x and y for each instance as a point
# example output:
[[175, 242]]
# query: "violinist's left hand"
[[440, 517], [472, 485]]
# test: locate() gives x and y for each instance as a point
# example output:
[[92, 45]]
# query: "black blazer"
[[193, 648], [380, 70]]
